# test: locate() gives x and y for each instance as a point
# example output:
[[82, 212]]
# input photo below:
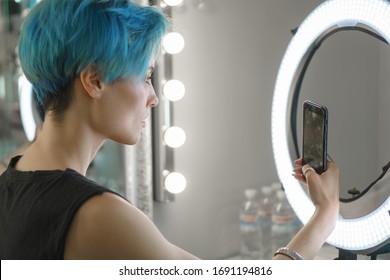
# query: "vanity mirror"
[[355, 115]]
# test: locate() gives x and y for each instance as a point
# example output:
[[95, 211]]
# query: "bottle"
[[251, 216], [283, 222], [267, 204], [267, 200], [276, 186]]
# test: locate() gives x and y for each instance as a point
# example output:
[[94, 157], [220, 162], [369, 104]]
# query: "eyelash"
[[148, 79]]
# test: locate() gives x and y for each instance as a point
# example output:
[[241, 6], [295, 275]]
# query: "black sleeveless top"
[[37, 208]]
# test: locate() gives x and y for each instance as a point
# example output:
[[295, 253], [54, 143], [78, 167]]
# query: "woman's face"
[[123, 109]]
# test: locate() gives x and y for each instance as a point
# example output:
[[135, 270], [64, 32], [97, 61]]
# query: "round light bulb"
[[175, 182], [173, 2], [174, 137], [174, 90], [173, 43]]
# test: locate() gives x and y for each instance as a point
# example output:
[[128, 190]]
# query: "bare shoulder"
[[108, 227]]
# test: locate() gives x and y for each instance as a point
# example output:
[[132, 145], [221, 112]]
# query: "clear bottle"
[[276, 186], [267, 202], [251, 216], [283, 222]]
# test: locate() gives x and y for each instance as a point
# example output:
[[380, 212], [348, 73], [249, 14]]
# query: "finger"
[[307, 169], [298, 161], [298, 170], [332, 166], [300, 178], [298, 173]]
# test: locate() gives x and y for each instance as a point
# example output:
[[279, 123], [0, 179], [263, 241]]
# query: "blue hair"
[[60, 38]]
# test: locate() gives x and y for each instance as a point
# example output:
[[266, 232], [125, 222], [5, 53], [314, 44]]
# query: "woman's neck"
[[63, 143]]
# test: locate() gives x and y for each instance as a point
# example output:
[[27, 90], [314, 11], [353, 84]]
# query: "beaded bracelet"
[[289, 253]]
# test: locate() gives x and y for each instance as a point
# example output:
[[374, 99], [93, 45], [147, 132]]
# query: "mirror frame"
[[364, 234]]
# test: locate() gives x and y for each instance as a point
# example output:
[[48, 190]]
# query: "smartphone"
[[315, 135]]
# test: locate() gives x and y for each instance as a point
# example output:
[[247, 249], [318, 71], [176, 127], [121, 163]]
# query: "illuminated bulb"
[[174, 137], [173, 2], [175, 182], [174, 90], [173, 43]]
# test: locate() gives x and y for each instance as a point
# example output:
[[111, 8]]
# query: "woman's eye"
[[148, 79]]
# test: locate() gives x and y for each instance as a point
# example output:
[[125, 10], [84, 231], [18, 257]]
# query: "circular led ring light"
[[26, 108], [367, 233]]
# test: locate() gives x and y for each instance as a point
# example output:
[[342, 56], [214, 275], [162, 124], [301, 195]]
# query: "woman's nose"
[[153, 99]]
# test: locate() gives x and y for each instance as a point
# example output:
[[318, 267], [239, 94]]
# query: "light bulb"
[[173, 43], [175, 182], [174, 137], [173, 2], [174, 90]]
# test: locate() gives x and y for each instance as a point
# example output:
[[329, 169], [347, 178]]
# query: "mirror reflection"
[[11, 133]]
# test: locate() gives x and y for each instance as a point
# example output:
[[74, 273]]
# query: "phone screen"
[[315, 122]]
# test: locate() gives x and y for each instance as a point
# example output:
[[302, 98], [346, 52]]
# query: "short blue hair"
[[60, 38]]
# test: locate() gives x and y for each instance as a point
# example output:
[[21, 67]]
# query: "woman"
[[90, 62]]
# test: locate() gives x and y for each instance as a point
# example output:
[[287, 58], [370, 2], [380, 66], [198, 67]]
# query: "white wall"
[[229, 66]]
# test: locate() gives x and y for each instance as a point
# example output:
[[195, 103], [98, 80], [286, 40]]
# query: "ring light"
[[367, 233], [26, 108]]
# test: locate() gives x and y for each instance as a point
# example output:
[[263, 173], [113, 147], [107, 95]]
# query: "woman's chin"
[[127, 140]]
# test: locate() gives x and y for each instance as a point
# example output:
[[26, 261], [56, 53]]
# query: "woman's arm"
[[108, 227], [324, 192]]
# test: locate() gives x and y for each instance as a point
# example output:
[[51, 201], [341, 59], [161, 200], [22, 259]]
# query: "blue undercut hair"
[[60, 38]]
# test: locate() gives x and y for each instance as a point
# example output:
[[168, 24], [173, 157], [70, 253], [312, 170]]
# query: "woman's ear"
[[91, 81]]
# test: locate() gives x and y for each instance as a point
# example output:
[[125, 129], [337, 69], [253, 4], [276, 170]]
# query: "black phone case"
[[323, 112]]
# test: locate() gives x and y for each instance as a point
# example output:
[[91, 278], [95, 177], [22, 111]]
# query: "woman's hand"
[[323, 189], [324, 192]]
